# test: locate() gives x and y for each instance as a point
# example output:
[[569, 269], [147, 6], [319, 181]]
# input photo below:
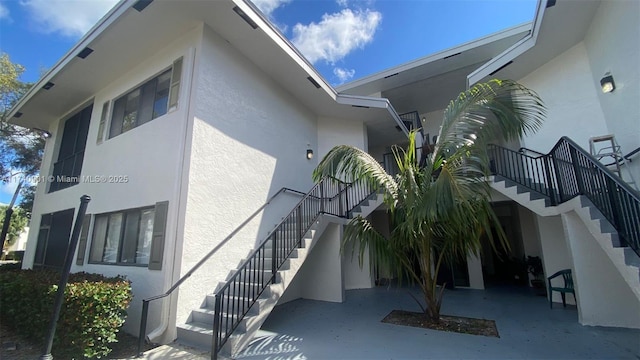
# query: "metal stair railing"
[[147, 301], [569, 171], [236, 297], [532, 172]]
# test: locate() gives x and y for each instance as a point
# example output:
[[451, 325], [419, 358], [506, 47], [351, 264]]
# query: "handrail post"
[[547, 170], [346, 199], [143, 325], [274, 250], [64, 277], [322, 182], [558, 177], [615, 209], [216, 328], [300, 233], [576, 170], [340, 209]]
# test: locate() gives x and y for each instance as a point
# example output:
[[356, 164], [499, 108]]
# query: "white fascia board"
[[372, 102], [512, 52], [439, 55], [277, 37], [108, 19], [358, 101]]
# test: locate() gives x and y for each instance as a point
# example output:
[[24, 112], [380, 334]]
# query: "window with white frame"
[[123, 237], [148, 101]]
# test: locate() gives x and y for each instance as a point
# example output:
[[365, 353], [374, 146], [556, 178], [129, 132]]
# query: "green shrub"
[[93, 311]]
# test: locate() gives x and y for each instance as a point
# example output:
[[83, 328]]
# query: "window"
[[66, 171], [53, 239], [152, 99], [123, 237]]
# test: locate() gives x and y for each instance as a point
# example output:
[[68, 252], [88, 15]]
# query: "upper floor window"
[[150, 100], [66, 170]]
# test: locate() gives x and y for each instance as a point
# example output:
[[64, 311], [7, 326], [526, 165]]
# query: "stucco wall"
[[432, 123], [149, 155], [566, 86], [321, 275], [555, 249], [604, 298], [332, 132], [613, 45], [249, 139]]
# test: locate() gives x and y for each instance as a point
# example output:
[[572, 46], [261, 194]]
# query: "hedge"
[[93, 311]]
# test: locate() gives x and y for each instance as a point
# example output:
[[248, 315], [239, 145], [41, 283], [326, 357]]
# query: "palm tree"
[[440, 203]]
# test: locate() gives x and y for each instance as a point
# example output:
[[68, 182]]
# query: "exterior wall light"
[[309, 154], [607, 83], [43, 133]]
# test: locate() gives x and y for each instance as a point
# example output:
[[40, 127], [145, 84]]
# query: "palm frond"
[[498, 109], [352, 164]]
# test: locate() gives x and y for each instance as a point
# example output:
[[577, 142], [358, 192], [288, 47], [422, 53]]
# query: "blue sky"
[[344, 39]]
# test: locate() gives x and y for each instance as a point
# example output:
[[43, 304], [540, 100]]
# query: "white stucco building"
[[180, 119]]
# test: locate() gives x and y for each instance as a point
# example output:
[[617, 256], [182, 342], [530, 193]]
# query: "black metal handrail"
[[525, 150], [569, 171], [145, 302], [234, 299]]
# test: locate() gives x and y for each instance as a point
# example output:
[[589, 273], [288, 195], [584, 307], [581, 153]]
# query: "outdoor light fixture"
[[607, 83], [48, 85], [43, 133], [309, 154]]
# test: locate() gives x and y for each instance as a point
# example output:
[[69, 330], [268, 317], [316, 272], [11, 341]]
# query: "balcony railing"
[[569, 171]]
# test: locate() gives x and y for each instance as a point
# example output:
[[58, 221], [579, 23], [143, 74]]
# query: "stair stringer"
[[624, 259], [252, 323], [199, 334]]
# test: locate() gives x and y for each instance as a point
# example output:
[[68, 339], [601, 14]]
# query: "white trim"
[[115, 13], [439, 55], [512, 52], [372, 102]]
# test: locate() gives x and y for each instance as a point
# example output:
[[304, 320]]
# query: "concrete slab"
[[176, 351], [307, 329]]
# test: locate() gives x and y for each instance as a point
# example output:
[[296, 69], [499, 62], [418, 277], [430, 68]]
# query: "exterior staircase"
[[568, 179], [625, 259], [231, 316]]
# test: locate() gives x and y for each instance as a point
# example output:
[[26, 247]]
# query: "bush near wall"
[[93, 311]]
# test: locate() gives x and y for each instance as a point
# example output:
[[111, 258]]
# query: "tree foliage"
[[439, 203], [18, 222], [21, 149]]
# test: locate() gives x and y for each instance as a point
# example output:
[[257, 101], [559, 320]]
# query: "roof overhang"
[[558, 25], [471, 53], [139, 34]]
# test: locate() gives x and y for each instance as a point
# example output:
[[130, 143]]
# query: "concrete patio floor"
[[307, 329]]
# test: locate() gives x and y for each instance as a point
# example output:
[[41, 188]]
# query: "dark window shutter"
[[82, 243], [157, 242]]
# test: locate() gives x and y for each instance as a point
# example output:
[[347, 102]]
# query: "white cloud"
[[343, 74], [336, 35], [9, 187], [4, 12], [68, 17], [343, 3], [269, 6]]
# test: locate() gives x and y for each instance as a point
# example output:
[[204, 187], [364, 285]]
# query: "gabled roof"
[[427, 84], [558, 26], [474, 52], [141, 33]]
